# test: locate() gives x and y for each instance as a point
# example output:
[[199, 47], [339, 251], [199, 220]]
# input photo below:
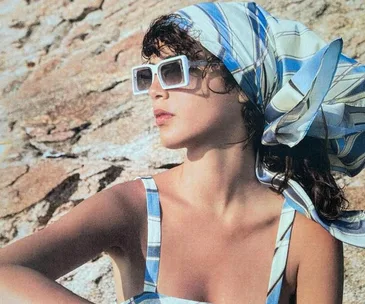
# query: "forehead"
[[165, 52]]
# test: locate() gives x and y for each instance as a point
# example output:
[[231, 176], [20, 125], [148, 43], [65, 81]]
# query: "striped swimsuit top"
[[150, 294]]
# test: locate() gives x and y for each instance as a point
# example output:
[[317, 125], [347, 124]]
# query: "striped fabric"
[[349, 228], [150, 294], [280, 253], [154, 236], [291, 74], [295, 78]]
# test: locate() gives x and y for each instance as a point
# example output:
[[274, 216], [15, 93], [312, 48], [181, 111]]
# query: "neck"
[[218, 176]]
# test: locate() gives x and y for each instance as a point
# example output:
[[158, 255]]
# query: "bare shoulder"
[[319, 258], [309, 236], [112, 209], [130, 195]]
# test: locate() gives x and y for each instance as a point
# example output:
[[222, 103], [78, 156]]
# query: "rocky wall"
[[67, 107]]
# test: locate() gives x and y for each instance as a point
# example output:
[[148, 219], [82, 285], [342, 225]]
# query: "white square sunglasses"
[[171, 72]]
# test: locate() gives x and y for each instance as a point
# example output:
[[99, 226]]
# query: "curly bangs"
[[172, 32], [167, 31]]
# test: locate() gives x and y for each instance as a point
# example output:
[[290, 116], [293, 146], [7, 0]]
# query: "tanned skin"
[[219, 224]]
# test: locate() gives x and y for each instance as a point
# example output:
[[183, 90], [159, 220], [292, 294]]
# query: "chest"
[[205, 260]]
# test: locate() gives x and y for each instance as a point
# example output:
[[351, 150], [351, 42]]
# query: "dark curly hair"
[[307, 163]]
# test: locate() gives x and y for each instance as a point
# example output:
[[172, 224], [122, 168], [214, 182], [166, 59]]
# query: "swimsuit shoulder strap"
[[154, 234], [281, 253]]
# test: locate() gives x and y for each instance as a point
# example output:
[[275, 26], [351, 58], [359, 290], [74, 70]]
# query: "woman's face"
[[199, 117]]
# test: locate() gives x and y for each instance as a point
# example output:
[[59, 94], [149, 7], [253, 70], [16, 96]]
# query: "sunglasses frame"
[[156, 70]]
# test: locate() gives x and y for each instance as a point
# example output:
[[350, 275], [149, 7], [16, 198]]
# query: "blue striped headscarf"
[[295, 78]]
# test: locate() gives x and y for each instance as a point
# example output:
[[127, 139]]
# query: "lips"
[[162, 116]]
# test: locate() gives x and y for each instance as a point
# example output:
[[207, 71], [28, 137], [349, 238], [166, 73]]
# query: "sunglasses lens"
[[172, 73], [144, 79]]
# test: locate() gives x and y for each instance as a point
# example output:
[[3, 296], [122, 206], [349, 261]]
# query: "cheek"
[[199, 104], [202, 115], [218, 114]]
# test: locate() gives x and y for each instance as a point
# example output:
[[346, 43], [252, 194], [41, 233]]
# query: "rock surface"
[[66, 105]]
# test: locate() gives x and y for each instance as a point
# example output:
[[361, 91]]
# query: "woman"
[[257, 114]]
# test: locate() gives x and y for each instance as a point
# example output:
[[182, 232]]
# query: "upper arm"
[[96, 224], [320, 270]]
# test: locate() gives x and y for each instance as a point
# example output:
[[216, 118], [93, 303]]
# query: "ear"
[[242, 97]]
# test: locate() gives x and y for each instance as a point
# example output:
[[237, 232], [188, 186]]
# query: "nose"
[[156, 91]]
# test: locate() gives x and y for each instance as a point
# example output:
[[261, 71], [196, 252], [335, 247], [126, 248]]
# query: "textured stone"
[[354, 285], [22, 224], [31, 186], [93, 281], [10, 176]]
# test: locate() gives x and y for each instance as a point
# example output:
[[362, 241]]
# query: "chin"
[[171, 140], [184, 138], [172, 144]]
